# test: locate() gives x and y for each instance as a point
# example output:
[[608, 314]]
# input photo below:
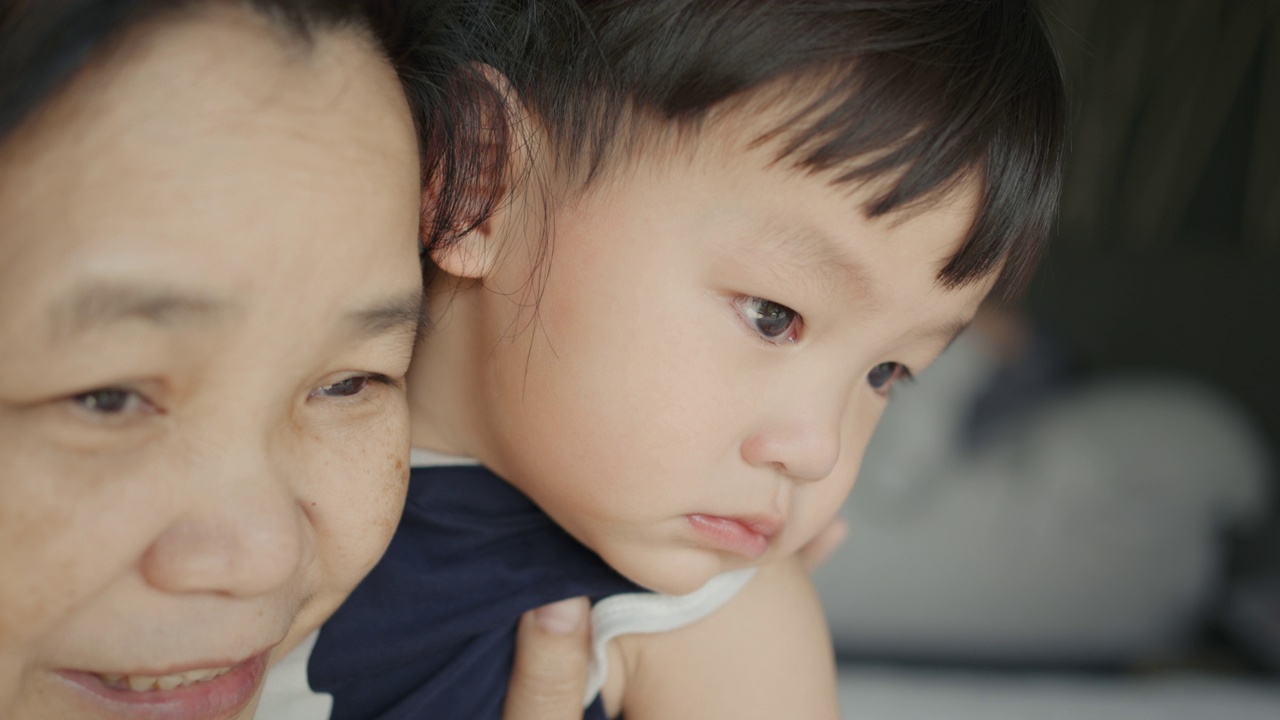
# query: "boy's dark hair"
[[922, 93], [43, 45]]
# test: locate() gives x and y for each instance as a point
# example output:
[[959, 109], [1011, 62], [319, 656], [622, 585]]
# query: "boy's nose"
[[245, 536], [801, 451]]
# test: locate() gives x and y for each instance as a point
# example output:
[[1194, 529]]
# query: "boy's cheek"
[[817, 506]]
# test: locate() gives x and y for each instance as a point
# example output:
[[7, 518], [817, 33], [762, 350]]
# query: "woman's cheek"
[[358, 503], [69, 525], [353, 498]]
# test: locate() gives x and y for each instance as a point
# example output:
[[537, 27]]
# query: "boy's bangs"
[[925, 119], [918, 94]]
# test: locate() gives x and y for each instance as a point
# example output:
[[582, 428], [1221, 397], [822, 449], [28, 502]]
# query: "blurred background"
[[1074, 513]]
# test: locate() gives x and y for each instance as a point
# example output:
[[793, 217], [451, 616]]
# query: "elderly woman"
[[209, 291]]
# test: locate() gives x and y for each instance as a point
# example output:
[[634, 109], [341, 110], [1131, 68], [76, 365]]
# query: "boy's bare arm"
[[767, 654]]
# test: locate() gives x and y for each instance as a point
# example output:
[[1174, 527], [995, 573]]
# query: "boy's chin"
[[677, 573]]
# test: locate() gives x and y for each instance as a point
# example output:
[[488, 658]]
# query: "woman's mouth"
[[145, 683], [746, 536], [201, 693]]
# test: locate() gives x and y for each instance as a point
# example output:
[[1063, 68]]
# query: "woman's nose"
[[243, 535]]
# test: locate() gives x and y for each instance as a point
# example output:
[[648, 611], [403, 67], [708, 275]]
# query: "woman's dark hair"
[[921, 93], [44, 44]]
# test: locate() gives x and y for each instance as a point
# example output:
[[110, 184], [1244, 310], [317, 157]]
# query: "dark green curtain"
[[1176, 125]]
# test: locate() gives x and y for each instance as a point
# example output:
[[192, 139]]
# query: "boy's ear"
[[489, 155], [472, 255]]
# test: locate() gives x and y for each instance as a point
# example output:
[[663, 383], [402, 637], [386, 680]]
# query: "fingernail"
[[561, 618]]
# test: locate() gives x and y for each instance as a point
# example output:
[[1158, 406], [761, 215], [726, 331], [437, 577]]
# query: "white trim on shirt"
[[287, 694]]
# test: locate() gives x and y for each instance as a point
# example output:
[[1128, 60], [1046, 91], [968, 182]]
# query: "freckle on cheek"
[[392, 492]]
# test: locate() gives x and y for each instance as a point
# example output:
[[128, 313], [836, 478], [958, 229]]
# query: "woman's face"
[[209, 292]]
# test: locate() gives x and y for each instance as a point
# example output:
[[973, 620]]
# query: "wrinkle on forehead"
[[170, 52]]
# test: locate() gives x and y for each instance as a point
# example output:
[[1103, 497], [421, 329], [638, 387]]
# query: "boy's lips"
[[205, 691], [745, 535]]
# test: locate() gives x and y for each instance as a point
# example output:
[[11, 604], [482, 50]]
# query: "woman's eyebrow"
[[97, 304], [100, 304], [405, 313]]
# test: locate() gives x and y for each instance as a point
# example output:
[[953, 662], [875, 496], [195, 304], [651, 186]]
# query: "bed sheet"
[[891, 693]]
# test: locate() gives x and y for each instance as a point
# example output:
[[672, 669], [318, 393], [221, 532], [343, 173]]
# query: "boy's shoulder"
[[647, 613], [766, 653], [431, 630]]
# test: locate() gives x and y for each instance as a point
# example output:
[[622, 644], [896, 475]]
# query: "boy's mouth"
[[747, 535]]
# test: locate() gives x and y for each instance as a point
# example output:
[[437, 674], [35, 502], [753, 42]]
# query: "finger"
[[550, 672], [821, 547]]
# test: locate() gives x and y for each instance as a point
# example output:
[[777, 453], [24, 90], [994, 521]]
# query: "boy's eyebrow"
[[106, 303], [817, 255]]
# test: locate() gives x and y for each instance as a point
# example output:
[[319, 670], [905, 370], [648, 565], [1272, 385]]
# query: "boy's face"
[[207, 259], [714, 340]]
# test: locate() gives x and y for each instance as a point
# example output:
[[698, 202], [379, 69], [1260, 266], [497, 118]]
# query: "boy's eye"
[[110, 401], [883, 376], [772, 321]]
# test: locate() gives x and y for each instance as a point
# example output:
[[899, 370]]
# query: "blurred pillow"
[[1088, 531]]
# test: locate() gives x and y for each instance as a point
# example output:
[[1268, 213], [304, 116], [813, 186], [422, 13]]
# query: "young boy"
[[729, 228]]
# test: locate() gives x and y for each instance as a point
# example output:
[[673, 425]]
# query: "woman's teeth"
[[143, 683]]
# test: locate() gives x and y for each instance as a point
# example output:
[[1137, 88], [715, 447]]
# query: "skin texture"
[[219, 223], [613, 370]]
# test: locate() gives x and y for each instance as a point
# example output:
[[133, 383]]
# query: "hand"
[[553, 646], [825, 543]]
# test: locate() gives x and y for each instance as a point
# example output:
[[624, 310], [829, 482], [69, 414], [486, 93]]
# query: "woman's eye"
[[348, 387], [110, 401], [772, 321], [883, 376]]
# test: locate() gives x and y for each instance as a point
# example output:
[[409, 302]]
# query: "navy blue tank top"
[[430, 633]]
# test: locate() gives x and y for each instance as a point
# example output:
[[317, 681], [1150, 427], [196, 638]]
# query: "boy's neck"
[[446, 376]]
